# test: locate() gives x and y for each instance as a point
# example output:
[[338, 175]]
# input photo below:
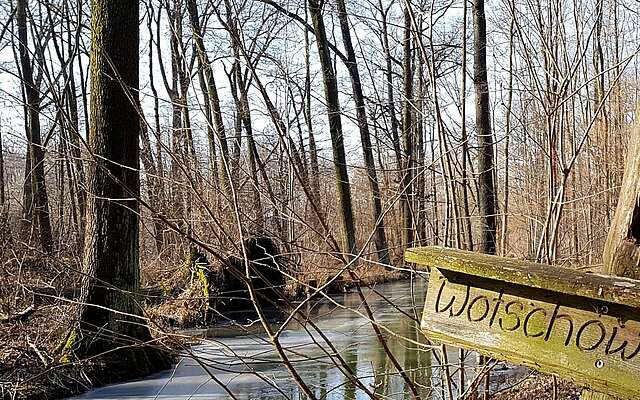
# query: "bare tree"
[[335, 128], [407, 132], [3, 199], [38, 187], [211, 92], [380, 238], [487, 199]]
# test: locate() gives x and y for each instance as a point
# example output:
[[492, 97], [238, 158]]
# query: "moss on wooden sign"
[[586, 339]]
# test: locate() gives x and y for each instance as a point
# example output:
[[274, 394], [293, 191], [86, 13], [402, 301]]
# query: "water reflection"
[[251, 369]]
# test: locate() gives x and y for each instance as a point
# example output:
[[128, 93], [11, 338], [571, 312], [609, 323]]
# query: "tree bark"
[[468, 226], [111, 316]]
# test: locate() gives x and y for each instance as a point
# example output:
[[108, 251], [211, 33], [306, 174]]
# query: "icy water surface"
[[251, 369]]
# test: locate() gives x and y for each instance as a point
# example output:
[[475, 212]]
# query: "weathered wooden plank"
[[562, 280], [593, 343]]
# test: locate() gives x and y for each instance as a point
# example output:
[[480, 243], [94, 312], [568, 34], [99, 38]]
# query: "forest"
[[175, 171]]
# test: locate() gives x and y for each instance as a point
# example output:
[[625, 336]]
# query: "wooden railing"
[[579, 326]]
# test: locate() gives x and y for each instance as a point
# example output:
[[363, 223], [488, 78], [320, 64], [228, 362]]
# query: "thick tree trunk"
[[111, 316], [36, 151], [486, 184], [622, 250], [621, 256], [380, 238], [335, 128]]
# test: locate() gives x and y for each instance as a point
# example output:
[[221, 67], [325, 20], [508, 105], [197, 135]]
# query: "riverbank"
[[34, 366], [189, 298]]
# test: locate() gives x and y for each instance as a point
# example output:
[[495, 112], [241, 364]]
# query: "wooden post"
[[622, 250]]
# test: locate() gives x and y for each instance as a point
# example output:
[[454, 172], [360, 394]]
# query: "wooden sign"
[[581, 327]]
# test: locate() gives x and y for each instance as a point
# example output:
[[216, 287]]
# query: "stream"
[[248, 365]]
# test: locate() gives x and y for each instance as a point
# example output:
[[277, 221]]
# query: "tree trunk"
[[335, 128], [154, 169], [74, 147], [621, 256], [254, 160], [111, 316], [2, 194], [36, 151], [487, 197], [212, 92], [4, 206], [313, 149], [146, 156], [395, 138], [420, 203], [505, 210], [407, 135], [77, 183], [468, 226], [239, 91], [486, 184], [379, 238]]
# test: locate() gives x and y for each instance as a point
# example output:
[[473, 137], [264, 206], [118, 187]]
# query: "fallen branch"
[[21, 316], [40, 354]]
